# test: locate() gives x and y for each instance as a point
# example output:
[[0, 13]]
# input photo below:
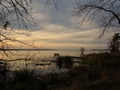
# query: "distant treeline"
[[37, 49]]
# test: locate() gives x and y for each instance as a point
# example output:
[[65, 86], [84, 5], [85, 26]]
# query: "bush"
[[64, 62], [24, 75], [103, 60]]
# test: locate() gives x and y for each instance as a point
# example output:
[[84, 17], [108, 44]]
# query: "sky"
[[60, 29]]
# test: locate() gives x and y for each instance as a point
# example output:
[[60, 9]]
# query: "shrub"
[[103, 60], [24, 75], [64, 62]]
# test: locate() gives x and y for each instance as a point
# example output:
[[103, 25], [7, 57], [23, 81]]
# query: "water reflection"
[[42, 62]]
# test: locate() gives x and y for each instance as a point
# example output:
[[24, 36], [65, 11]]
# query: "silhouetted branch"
[[106, 10], [104, 13], [16, 14]]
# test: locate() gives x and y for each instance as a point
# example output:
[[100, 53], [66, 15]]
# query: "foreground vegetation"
[[96, 72]]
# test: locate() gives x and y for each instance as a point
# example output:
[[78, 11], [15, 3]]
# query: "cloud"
[[74, 39], [60, 29]]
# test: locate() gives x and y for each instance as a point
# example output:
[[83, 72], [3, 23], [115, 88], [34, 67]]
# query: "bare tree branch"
[[105, 13]]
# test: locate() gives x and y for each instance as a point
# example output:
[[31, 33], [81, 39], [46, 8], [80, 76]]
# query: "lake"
[[39, 60]]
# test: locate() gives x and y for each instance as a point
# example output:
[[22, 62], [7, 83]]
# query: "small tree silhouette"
[[82, 49], [114, 44]]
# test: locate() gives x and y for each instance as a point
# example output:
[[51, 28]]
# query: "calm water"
[[40, 61], [37, 54]]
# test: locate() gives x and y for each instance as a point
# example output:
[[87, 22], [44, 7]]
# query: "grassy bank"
[[97, 72]]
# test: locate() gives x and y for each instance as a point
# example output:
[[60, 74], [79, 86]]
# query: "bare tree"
[[15, 11], [115, 43], [13, 14], [105, 13], [82, 50]]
